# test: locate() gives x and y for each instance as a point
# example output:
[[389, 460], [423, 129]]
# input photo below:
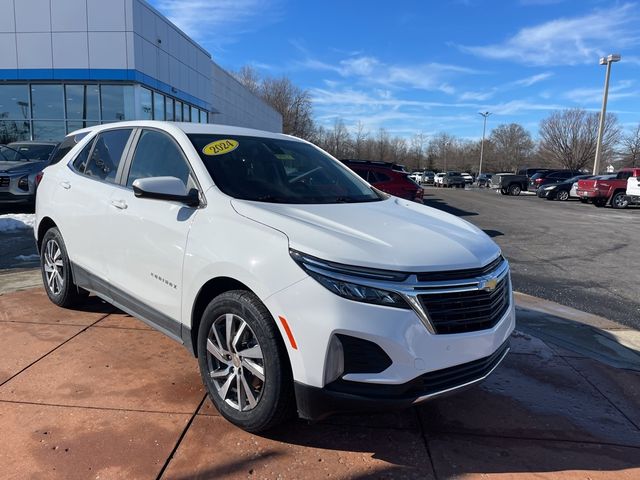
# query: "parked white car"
[[633, 190], [437, 179], [468, 179], [293, 281]]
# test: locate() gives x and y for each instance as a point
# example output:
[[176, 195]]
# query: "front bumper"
[[316, 316], [9, 197], [343, 397]]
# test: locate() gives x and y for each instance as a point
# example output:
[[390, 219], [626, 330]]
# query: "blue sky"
[[429, 66]]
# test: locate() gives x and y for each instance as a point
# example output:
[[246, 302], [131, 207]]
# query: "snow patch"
[[27, 258], [13, 222]]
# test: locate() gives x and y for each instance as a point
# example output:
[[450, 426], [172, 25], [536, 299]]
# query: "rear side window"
[[623, 175], [65, 147], [157, 155], [378, 177], [106, 154], [80, 162]]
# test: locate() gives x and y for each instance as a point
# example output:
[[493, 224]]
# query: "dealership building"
[[68, 64]]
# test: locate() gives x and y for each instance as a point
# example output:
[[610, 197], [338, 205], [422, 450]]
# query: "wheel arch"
[[45, 224], [211, 289]]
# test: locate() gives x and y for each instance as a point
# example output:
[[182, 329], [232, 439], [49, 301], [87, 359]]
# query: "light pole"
[[484, 129], [614, 57]]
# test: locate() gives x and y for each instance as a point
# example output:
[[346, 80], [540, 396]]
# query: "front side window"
[[157, 155], [278, 171], [106, 155]]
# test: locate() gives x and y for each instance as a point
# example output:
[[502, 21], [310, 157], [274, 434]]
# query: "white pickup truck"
[[633, 190]]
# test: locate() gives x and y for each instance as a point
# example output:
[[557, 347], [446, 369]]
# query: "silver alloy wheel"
[[53, 267], [620, 201], [563, 195], [235, 362]]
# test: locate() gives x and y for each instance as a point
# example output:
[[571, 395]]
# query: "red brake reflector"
[[288, 332]]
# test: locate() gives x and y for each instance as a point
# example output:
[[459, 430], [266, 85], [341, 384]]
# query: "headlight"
[[23, 183], [550, 188], [343, 280]]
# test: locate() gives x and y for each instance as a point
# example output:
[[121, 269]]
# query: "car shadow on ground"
[[445, 207]]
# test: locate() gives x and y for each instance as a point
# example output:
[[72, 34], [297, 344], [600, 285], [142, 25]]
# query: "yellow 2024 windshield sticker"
[[220, 147]]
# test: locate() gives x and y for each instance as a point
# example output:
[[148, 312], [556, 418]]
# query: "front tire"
[[57, 276], [562, 195], [244, 363], [515, 190]]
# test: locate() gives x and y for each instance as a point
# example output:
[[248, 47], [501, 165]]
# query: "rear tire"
[[619, 200], [244, 363], [57, 276]]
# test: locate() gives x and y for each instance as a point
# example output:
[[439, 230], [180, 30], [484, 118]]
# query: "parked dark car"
[[20, 166], [551, 176], [388, 177], [560, 190], [509, 183], [484, 179], [453, 179]]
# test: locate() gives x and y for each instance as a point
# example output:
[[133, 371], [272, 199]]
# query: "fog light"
[[334, 365], [23, 183]]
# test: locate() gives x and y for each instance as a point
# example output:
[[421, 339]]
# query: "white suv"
[[293, 281]]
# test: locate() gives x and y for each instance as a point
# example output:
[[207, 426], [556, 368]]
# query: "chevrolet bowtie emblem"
[[490, 285]]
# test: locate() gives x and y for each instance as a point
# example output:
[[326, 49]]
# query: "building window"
[[47, 102], [146, 108], [178, 111], [14, 130], [14, 102], [203, 117], [83, 103], [170, 115], [53, 130], [117, 103], [158, 106]]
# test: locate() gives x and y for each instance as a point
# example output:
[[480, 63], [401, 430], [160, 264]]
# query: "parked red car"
[[601, 192], [388, 177]]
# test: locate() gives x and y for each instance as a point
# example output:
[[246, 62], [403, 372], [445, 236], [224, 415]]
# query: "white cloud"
[[593, 96], [568, 41], [215, 23], [533, 79]]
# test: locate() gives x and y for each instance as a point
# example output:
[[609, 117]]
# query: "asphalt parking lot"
[[574, 254]]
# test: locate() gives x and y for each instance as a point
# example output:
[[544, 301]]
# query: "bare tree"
[[382, 145], [512, 146], [569, 137], [338, 140], [631, 148], [291, 101], [359, 139], [249, 77]]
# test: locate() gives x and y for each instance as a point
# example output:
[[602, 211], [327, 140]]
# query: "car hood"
[[392, 234], [15, 167]]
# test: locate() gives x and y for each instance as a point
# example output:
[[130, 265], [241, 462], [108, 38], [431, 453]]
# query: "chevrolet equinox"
[[296, 284]]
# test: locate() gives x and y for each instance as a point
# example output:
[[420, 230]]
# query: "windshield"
[[8, 154], [278, 171], [31, 151]]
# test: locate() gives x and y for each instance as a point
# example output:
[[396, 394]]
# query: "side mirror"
[[166, 188]]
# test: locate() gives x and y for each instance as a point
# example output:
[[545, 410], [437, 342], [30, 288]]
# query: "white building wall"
[[126, 35], [238, 106]]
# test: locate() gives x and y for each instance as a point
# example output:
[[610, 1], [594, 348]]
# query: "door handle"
[[120, 204], [65, 185]]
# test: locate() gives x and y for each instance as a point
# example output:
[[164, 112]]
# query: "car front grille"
[[467, 311], [4, 181]]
